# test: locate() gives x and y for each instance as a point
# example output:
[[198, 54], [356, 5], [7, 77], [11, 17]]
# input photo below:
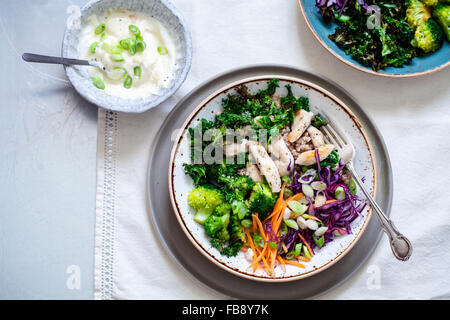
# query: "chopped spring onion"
[[284, 230], [134, 30], [352, 186], [290, 255], [100, 29], [308, 176], [297, 207], [312, 224], [319, 242], [339, 193], [342, 17], [291, 223], [140, 45], [111, 49], [128, 82], [117, 73], [319, 185], [287, 213], [321, 231], [273, 245], [301, 223], [93, 46], [137, 71], [98, 82], [258, 240], [320, 199], [306, 252], [298, 249], [308, 191], [162, 50], [127, 43], [117, 57]]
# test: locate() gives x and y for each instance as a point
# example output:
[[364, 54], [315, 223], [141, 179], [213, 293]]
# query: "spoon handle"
[[400, 245], [31, 57]]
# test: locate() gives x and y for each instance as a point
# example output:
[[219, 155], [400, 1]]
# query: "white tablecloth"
[[412, 114]]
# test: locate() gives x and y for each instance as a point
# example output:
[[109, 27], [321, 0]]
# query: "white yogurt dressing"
[[156, 68]]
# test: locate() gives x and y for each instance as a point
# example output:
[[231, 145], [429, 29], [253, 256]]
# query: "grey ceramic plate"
[[188, 257], [161, 10]]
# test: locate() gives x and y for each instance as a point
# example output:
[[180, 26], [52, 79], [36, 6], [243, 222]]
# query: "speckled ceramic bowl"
[[161, 10], [320, 101]]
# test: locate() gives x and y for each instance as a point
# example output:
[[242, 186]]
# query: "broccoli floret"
[[213, 224], [430, 3], [428, 36], [222, 209], [417, 13], [262, 200], [196, 171], [442, 15], [204, 199], [318, 121], [238, 186], [237, 233]]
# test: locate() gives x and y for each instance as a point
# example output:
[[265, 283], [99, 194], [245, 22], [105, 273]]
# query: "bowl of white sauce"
[[144, 46]]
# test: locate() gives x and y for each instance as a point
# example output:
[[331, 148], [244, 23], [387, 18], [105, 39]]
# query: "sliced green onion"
[[308, 191], [273, 245], [140, 45], [286, 179], [134, 30], [127, 43], [319, 185], [284, 230], [162, 50], [297, 207], [290, 255], [132, 49], [319, 242], [100, 29], [352, 186], [306, 252], [137, 71], [128, 82], [246, 223], [291, 223], [103, 36], [98, 82], [117, 73], [288, 192], [258, 240], [298, 249], [339, 193], [93, 46], [117, 57]]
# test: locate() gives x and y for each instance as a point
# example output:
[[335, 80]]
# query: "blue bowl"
[[419, 65]]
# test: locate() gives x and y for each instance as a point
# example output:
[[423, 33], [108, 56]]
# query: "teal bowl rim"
[[361, 68]]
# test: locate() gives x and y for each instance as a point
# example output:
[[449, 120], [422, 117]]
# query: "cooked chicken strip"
[[266, 166], [302, 121], [308, 158], [281, 155], [233, 149], [252, 172], [316, 136]]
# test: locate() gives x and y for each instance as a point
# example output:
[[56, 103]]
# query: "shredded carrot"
[[330, 201], [306, 244], [282, 191], [261, 229], [244, 249], [282, 262], [302, 258], [295, 197], [314, 218], [254, 226], [255, 262], [295, 263], [284, 247]]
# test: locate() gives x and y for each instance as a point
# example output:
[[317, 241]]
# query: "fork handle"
[[400, 245]]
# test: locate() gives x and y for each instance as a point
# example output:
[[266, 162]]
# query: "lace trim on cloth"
[[105, 204]]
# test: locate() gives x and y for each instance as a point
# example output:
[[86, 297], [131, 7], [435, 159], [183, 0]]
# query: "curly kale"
[[386, 43]]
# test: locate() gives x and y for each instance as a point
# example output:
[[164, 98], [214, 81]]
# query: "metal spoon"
[[31, 57]]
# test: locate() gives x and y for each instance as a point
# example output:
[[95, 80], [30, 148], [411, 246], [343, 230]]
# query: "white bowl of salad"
[[257, 189]]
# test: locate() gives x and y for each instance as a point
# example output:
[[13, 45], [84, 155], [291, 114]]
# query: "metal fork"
[[400, 245]]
